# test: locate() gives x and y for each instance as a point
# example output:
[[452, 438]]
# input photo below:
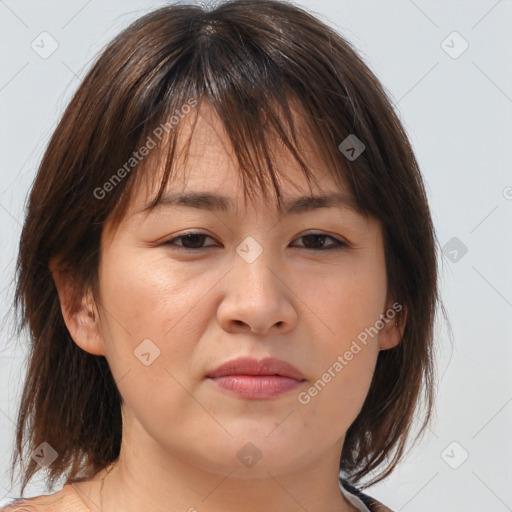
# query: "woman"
[[202, 340]]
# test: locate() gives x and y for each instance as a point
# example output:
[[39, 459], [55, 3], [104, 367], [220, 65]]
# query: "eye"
[[317, 240], [191, 241], [313, 241]]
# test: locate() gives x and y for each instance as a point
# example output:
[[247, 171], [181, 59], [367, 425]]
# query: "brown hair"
[[254, 62]]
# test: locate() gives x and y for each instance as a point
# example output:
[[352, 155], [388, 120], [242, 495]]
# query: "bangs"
[[254, 137], [260, 106]]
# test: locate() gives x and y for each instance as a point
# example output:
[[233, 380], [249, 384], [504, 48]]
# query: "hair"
[[260, 65]]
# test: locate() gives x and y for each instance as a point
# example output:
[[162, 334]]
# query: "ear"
[[82, 321], [394, 320]]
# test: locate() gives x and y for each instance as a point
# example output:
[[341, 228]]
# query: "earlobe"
[[393, 330], [82, 320]]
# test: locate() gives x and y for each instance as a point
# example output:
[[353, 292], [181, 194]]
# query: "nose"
[[257, 298]]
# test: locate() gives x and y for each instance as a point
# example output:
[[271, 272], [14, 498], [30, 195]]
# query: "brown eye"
[[316, 242], [190, 241], [313, 241]]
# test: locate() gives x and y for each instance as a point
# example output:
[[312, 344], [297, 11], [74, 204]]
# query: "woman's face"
[[249, 284]]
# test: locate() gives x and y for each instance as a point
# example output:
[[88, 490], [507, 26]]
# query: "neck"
[[147, 477]]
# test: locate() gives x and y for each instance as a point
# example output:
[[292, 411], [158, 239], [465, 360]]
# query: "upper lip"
[[250, 366]]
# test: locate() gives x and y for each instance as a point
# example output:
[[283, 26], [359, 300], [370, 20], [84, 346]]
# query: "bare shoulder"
[[17, 508], [21, 505], [43, 503]]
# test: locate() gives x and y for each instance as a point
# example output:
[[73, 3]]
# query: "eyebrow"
[[216, 202]]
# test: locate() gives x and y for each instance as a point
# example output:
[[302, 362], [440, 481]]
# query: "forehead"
[[205, 162]]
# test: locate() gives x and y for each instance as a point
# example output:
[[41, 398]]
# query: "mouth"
[[270, 366], [253, 379]]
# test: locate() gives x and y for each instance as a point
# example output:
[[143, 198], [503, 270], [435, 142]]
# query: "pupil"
[[194, 241], [192, 238], [317, 237]]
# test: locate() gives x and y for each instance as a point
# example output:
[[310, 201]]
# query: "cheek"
[[331, 404], [347, 301], [345, 360], [151, 295], [347, 306], [151, 319]]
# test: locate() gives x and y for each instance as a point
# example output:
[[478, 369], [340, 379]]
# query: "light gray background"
[[457, 112]]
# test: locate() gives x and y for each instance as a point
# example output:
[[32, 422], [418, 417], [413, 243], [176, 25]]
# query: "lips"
[[250, 379], [249, 366]]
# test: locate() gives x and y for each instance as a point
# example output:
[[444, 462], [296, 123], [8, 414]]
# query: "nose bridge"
[[256, 294], [253, 264]]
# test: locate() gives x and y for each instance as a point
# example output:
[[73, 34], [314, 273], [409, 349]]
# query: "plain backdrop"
[[447, 65]]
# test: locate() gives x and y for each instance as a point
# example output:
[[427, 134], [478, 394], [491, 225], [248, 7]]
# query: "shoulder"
[[35, 504], [55, 502]]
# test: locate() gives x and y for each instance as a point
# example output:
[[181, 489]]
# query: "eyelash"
[[337, 246]]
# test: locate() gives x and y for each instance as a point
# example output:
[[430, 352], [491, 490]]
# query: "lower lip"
[[256, 387]]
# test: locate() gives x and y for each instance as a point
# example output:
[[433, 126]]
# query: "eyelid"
[[339, 243]]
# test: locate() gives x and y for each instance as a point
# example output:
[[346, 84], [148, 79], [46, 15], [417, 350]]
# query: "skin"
[[181, 435]]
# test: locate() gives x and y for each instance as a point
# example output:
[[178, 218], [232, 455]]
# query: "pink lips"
[[249, 378]]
